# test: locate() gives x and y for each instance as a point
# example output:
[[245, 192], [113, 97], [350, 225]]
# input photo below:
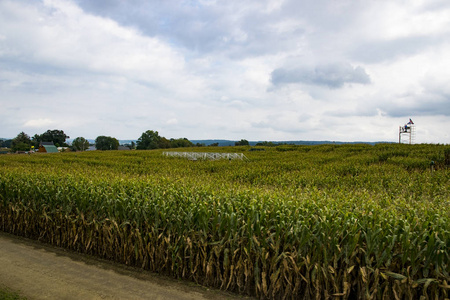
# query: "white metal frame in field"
[[205, 155], [408, 131]]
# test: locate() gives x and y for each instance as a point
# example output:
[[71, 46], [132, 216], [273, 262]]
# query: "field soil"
[[39, 271]]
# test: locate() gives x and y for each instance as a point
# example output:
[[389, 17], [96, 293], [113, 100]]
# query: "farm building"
[[47, 147]]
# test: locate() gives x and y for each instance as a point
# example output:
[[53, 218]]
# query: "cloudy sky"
[[204, 69]]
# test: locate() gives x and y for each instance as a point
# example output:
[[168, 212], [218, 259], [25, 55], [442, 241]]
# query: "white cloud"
[[59, 34], [39, 123], [172, 121], [399, 21]]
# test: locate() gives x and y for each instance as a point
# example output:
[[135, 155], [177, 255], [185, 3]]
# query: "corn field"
[[291, 222]]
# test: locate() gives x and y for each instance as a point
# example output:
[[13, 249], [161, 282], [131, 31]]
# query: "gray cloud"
[[242, 29], [428, 104], [379, 51], [332, 75], [431, 98], [238, 29]]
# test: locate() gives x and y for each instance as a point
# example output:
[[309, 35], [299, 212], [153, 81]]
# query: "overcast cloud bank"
[[259, 70]]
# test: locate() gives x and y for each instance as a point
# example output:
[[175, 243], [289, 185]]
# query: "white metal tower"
[[407, 133]]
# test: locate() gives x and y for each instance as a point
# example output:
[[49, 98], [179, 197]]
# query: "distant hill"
[[253, 143], [223, 143]]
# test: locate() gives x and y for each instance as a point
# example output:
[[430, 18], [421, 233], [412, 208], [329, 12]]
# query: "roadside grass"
[[7, 294]]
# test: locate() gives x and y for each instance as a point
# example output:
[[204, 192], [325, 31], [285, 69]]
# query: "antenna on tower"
[[407, 133]]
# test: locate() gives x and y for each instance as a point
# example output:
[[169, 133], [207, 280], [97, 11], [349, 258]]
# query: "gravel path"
[[39, 271]]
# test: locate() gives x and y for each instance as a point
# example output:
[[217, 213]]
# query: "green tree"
[[267, 144], [36, 140], [21, 142], [5, 143], [447, 156], [241, 143], [80, 144], [164, 143], [149, 140], [58, 137], [178, 143], [106, 143]]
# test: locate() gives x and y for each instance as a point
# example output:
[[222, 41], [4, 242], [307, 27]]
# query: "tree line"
[[23, 142], [148, 140]]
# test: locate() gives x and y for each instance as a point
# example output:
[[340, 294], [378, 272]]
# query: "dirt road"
[[38, 271]]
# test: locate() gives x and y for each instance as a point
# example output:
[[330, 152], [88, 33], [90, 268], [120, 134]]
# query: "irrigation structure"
[[206, 155], [407, 133]]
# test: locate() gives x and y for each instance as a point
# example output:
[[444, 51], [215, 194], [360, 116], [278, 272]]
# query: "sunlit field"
[[295, 222]]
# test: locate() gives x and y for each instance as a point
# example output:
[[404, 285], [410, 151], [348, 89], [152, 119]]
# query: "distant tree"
[[106, 143], [149, 140], [6, 143], [21, 147], [36, 140], [267, 144], [21, 142], [58, 137], [200, 145], [22, 138], [214, 145], [152, 140], [241, 143], [164, 143], [80, 144], [179, 143], [447, 156], [114, 144]]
